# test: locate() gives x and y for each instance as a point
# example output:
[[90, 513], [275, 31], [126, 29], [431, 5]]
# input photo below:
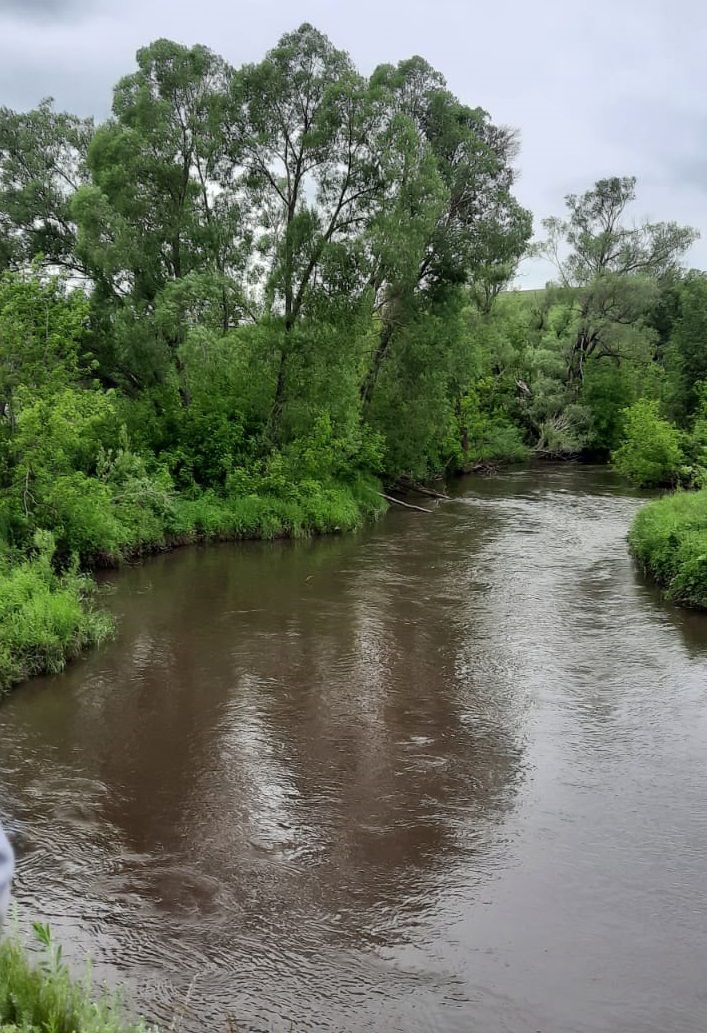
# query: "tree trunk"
[[463, 429], [279, 399], [379, 356], [184, 392]]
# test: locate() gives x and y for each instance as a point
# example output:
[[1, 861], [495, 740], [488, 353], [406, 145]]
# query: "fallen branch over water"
[[425, 491], [408, 505]]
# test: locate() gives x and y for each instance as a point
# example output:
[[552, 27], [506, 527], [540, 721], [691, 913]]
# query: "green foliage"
[[609, 389], [669, 539], [651, 453], [612, 273], [37, 996], [494, 439], [285, 281], [483, 432], [43, 332], [45, 618], [42, 161], [62, 431], [687, 348], [280, 509]]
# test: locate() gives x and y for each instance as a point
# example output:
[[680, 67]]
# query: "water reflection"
[[318, 782]]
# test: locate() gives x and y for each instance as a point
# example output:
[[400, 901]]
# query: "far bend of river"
[[449, 774]]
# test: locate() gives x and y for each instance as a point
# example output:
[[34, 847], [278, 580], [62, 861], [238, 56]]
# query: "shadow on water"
[[271, 761], [370, 782]]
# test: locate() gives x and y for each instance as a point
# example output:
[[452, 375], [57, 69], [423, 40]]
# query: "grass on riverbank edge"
[[42, 997], [48, 617], [669, 540]]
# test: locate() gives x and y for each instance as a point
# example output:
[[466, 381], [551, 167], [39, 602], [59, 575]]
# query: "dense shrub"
[[45, 618], [669, 539], [607, 392], [651, 453]]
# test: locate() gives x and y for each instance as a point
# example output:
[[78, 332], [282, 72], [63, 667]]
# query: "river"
[[448, 774]]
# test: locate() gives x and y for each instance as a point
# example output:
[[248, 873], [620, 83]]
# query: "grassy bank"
[[669, 540], [43, 997], [47, 608], [46, 618]]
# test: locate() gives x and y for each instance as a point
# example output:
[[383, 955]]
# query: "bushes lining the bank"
[[102, 524], [46, 618], [669, 540], [43, 998]]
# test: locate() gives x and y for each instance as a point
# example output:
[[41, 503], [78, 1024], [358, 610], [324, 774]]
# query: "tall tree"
[[158, 211], [449, 180], [42, 164], [301, 133], [610, 268]]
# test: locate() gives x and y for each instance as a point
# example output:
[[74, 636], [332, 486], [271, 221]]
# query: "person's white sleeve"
[[7, 868]]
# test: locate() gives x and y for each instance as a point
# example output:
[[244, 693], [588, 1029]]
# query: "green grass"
[[46, 618], [669, 540], [304, 509], [42, 997]]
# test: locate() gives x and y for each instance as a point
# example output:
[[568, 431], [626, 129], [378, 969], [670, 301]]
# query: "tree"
[[159, 209], [43, 328], [450, 219], [42, 164], [301, 132], [687, 350], [612, 270]]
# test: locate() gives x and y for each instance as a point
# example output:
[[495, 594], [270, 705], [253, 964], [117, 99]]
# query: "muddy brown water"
[[449, 774]]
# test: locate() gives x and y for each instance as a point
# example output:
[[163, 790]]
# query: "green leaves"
[[43, 335], [42, 164], [599, 240], [651, 453]]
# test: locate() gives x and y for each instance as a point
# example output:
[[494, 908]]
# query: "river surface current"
[[449, 774]]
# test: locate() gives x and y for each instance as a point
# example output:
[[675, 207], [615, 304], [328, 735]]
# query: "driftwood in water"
[[408, 505], [425, 491]]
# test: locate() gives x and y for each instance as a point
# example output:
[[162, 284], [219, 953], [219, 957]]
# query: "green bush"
[[696, 440], [43, 998], [493, 438], [607, 391], [253, 509], [64, 431], [669, 539], [651, 453], [45, 618], [81, 512]]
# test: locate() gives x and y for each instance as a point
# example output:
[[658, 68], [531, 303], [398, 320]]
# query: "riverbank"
[[35, 998], [48, 612], [669, 540], [46, 618]]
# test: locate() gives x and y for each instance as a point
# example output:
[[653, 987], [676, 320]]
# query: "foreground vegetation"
[[255, 295], [669, 539], [43, 998]]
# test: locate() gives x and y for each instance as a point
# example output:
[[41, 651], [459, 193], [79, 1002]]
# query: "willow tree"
[[381, 195], [448, 201], [158, 224], [610, 269], [302, 146], [42, 164]]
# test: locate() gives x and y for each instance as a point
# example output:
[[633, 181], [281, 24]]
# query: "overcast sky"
[[596, 87]]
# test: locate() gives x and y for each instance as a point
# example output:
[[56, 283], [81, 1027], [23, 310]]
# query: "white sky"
[[596, 88]]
